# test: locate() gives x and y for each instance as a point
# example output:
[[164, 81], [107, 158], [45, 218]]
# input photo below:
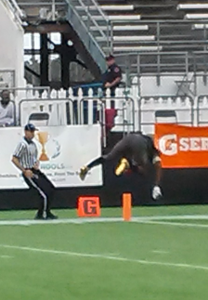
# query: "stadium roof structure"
[[176, 29], [145, 35]]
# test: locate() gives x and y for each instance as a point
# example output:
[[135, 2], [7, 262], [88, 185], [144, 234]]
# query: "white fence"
[[132, 112], [165, 109]]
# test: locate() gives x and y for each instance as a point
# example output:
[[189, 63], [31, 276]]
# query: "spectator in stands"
[[112, 77], [6, 109]]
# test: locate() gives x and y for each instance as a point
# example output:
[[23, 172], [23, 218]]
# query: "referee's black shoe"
[[51, 216], [39, 216]]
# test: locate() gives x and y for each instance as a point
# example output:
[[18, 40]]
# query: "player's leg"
[[85, 169], [117, 152]]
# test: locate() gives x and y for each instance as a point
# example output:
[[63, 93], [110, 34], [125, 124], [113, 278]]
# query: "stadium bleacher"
[[144, 25]]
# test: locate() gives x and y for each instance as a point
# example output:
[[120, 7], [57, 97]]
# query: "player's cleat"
[[124, 165], [83, 172]]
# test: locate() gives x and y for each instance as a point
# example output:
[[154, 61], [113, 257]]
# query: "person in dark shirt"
[[112, 77], [134, 152]]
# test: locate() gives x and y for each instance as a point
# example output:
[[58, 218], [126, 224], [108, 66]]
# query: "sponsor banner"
[[182, 146], [61, 150]]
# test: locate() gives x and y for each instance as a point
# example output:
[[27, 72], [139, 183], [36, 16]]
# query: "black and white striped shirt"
[[27, 153]]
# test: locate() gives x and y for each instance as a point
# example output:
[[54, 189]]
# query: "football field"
[[162, 254]]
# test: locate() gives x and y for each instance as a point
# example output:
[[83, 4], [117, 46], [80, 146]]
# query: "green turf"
[[116, 212], [33, 275]]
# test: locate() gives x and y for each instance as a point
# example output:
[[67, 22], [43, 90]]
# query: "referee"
[[25, 158]]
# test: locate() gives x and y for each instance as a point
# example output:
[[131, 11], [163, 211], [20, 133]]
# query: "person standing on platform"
[[112, 77]]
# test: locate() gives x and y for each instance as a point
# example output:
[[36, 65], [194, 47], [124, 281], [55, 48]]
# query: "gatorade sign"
[[182, 146]]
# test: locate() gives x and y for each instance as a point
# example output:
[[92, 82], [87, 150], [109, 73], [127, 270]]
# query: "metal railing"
[[34, 90], [168, 54], [164, 38], [52, 7], [14, 8], [134, 114], [90, 21], [187, 66], [125, 109], [202, 110], [141, 63], [60, 111], [81, 25], [93, 110], [147, 115]]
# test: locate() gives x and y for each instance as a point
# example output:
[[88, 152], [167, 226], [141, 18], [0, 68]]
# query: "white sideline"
[[146, 220], [193, 225], [107, 257]]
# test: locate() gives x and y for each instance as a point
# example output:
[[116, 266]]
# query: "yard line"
[[160, 251], [6, 256], [193, 225], [177, 217], [107, 257]]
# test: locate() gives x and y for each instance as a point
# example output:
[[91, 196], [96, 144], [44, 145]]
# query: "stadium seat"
[[165, 116], [39, 119]]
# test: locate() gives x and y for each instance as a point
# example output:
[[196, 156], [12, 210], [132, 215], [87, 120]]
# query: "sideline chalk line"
[[145, 220], [106, 257]]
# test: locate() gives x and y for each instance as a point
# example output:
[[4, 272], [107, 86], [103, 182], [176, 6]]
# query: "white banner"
[[64, 150]]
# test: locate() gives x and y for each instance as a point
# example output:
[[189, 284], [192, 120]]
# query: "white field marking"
[[160, 251], [145, 219], [193, 225], [111, 254], [177, 217], [59, 221], [6, 256], [107, 257]]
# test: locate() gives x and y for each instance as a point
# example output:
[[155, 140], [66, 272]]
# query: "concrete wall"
[[168, 85], [12, 44]]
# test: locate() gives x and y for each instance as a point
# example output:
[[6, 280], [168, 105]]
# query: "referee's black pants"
[[43, 188]]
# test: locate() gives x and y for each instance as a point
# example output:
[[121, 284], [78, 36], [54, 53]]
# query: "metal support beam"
[[158, 54], [65, 62], [44, 60]]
